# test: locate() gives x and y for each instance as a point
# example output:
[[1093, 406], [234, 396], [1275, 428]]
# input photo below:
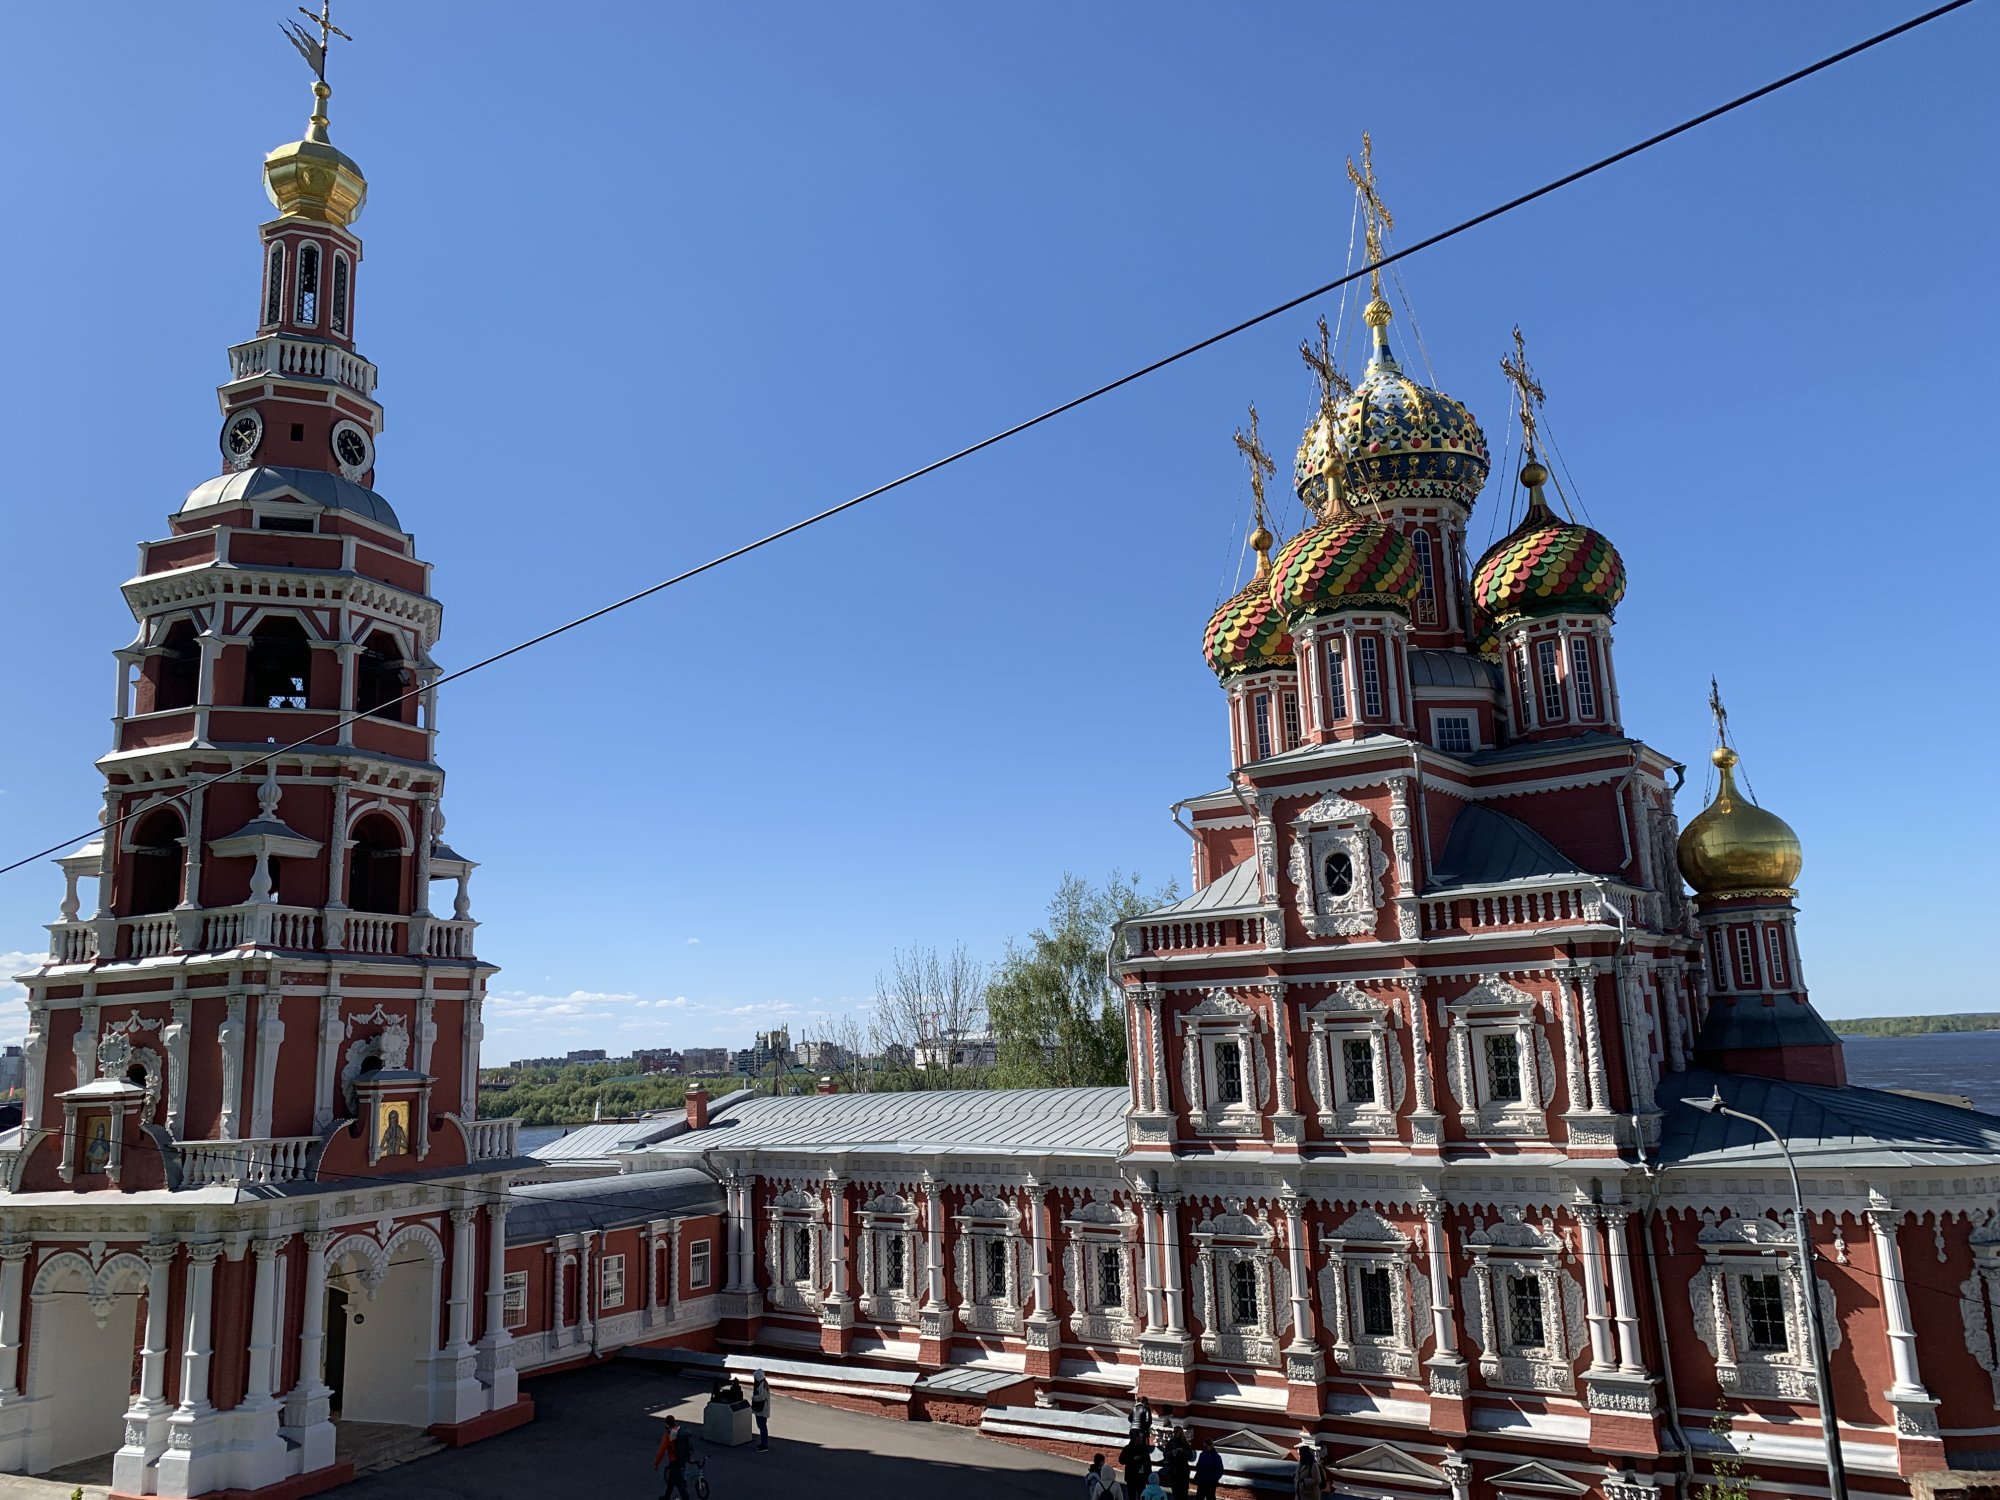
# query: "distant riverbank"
[[1919, 1025]]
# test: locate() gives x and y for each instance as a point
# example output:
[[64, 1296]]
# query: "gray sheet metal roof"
[[1734, 1025], [267, 482], [1453, 669], [1235, 890], [1846, 1129], [1486, 847], [1589, 739], [597, 1142], [543, 1210], [989, 1122]]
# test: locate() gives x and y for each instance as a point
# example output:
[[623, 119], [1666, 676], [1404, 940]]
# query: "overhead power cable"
[[314, 740]]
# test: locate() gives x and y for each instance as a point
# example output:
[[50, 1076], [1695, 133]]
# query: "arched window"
[[375, 866], [274, 288], [381, 678], [1427, 595], [173, 672], [159, 859], [339, 310], [280, 666], [307, 312]]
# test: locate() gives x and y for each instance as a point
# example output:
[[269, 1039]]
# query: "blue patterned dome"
[[1402, 441]]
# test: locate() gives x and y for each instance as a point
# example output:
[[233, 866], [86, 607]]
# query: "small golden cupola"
[[1734, 847], [311, 178]]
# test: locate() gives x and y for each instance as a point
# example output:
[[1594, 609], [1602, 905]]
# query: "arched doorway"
[[159, 863], [84, 1346], [381, 1327], [375, 865]]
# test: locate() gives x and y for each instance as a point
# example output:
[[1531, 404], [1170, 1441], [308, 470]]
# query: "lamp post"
[[1836, 1469]]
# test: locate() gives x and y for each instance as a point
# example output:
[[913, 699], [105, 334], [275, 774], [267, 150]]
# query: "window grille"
[[1746, 959], [1336, 687], [1378, 1311], [802, 1253], [1551, 681], [1339, 873], [1764, 1311], [308, 298], [1229, 1072], [1427, 599], [1774, 945], [274, 291], [611, 1282], [1580, 673], [1243, 1293], [996, 1267], [1357, 1056], [895, 1273], [1371, 676], [1291, 720], [698, 1264], [516, 1289], [1717, 962], [1503, 1068], [1260, 709], [340, 294], [1110, 1278], [1454, 734], [1524, 1311]]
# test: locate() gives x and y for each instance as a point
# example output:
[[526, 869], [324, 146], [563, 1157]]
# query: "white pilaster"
[[494, 1366], [1625, 1305], [192, 1461]]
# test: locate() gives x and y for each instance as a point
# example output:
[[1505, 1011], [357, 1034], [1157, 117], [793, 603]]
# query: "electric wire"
[[314, 740]]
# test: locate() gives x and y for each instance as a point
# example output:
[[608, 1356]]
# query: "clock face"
[[240, 436], [352, 449]]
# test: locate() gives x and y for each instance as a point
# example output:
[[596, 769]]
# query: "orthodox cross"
[[314, 52], [1528, 389], [1261, 467], [1718, 713], [1319, 359], [1377, 212]]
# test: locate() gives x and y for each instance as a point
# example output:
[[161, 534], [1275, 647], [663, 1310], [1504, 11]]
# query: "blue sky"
[[644, 281]]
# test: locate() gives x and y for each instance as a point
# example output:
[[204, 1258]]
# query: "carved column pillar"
[[1287, 1126], [1303, 1366], [1170, 1261], [196, 1348], [934, 1317], [270, 1033], [460, 1321], [1916, 1412], [262, 1380], [556, 1296], [1625, 1304], [326, 1076], [229, 1039], [427, 1031], [175, 1036], [1468, 1086], [146, 1418], [493, 1343], [1595, 1313], [312, 1321], [83, 1046], [1585, 981], [1162, 1094], [1420, 1057], [1044, 1328], [12, 1255], [1572, 1039], [34, 1064], [1458, 1473], [426, 838]]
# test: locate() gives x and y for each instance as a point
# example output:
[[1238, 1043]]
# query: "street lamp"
[[1836, 1469]]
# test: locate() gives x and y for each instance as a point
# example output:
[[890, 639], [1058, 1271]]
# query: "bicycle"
[[700, 1485]]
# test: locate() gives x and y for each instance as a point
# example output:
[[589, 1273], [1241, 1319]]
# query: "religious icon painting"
[[97, 1150], [394, 1136]]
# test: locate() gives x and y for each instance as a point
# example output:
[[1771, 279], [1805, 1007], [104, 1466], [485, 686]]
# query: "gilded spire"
[[1261, 469], [1379, 222], [1528, 393], [310, 179]]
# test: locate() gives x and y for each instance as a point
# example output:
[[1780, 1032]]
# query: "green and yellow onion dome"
[[1735, 848], [1345, 562], [1248, 633], [1403, 441], [1546, 565]]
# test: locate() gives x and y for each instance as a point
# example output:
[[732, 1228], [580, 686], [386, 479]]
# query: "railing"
[[492, 1140], [448, 938], [72, 942], [152, 937], [279, 1159], [273, 355], [1532, 908], [1189, 936], [260, 926], [368, 933]]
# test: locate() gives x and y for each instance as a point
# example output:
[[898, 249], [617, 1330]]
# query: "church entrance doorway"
[[381, 1331], [83, 1357]]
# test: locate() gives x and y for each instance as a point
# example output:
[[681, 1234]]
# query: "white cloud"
[[693, 941], [13, 996]]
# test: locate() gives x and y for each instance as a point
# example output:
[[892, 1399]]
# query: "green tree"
[[1726, 1481], [1058, 1019]]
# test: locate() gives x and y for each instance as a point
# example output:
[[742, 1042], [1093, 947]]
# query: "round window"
[[1339, 872]]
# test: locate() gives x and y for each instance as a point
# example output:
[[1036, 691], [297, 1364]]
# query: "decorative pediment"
[[1233, 1224], [888, 1206], [1495, 993], [1512, 1232], [1537, 1479], [1350, 1002], [1365, 1226], [1219, 1005], [990, 1209], [1387, 1461], [1332, 808], [795, 1199], [1106, 1409], [1095, 1212], [1249, 1445], [1756, 1231]]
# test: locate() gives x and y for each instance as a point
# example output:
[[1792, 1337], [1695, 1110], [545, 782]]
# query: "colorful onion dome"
[[1403, 441], [1345, 562], [1546, 565], [1735, 848], [1314, 462], [1248, 633]]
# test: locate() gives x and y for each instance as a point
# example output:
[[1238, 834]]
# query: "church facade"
[[1408, 1167]]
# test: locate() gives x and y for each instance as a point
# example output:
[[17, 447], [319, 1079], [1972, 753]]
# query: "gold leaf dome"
[[312, 179], [1735, 848]]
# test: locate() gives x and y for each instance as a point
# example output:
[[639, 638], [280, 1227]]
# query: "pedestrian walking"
[[1207, 1471], [1097, 1482], [1136, 1457], [1176, 1459], [1142, 1418], [1306, 1483], [675, 1449], [760, 1407]]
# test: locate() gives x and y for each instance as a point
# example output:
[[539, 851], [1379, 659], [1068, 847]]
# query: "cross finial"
[[1718, 713], [1319, 359], [1527, 390], [314, 52], [1261, 467], [1373, 209]]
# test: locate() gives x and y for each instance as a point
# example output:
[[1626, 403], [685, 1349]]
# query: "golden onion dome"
[[1735, 848], [311, 178]]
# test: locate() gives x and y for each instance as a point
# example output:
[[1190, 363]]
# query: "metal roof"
[[988, 1122], [1452, 669], [268, 482], [1235, 890], [597, 1142], [1486, 847], [1749, 1023], [542, 1210], [1589, 739], [1845, 1129]]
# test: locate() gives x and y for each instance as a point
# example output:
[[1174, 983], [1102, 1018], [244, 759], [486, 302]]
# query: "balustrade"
[[279, 1159], [493, 1140], [256, 924], [1583, 903], [449, 939], [368, 933], [1187, 936], [275, 355], [72, 942]]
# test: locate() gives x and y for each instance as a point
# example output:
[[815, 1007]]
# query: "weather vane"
[[1319, 359], [1261, 467], [314, 52], [1515, 367], [1377, 212]]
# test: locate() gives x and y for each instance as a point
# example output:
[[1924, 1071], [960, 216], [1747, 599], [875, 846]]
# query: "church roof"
[[1234, 890], [1486, 847], [543, 1210], [268, 482], [1452, 669], [598, 1140], [1827, 1128], [982, 1122]]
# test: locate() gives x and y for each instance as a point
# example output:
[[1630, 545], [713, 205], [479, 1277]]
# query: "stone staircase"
[[374, 1446]]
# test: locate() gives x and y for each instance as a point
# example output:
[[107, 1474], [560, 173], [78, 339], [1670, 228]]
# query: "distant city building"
[[587, 1054], [699, 1061], [10, 1069], [968, 1049], [821, 1054], [772, 1047], [658, 1060]]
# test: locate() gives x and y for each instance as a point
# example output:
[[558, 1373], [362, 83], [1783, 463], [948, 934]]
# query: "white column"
[[1599, 1319], [196, 1348], [496, 1335], [561, 1258], [586, 1300], [1170, 1260], [262, 1378], [836, 1219], [737, 1207], [326, 1077], [270, 1033], [1295, 1244], [12, 1255], [460, 1320], [1585, 981], [1038, 1195], [1908, 1382], [1150, 1244], [1443, 1323], [1631, 1354], [934, 1243], [312, 1319]]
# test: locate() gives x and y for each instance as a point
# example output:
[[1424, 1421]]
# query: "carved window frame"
[[1495, 1007], [788, 1213], [1235, 1237], [888, 1218], [984, 1221], [1366, 1241], [1222, 1017], [1513, 1247], [1334, 824], [1349, 1013], [1734, 1250], [1979, 1301], [1095, 1228]]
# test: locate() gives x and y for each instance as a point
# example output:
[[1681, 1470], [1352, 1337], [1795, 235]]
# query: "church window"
[[306, 306], [611, 1283], [280, 665], [895, 1264], [1454, 733], [1371, 676], [1581, 675], [1774, 946], [1228, 1073], [1260, 709], [1243, 1293], [375, 866], [381, 679], [1338, 872], [1551, 682], [274, 288], [1336, 687], [1378, 1308], [159, 860], [1764, 1313], [515, 1289], [801, 1251], [1357, 1062], [1503, 1067], [698, 1264], [994, 1248], [339, 309], [1746, 960], [1717, 963], [1427, 598], [1110, 1277], [174, 674], [1290, 718], [1524, 1311]]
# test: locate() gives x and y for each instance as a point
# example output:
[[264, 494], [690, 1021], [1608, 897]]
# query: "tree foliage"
[[573, 1093], [1058, 1019], [925, 1002]]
